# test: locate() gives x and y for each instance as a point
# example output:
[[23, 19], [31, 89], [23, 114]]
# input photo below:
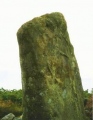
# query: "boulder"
[[51, 82], [10, 116]]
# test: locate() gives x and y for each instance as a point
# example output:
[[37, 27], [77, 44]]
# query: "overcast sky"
[[79, 17]]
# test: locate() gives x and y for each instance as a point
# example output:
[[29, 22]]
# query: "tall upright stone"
[[51, 83]]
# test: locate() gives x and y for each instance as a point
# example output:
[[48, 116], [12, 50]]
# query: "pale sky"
[[79, 17]]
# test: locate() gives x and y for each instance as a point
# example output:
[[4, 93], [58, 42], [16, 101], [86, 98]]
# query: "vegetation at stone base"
[[88, 104], [11, 102]]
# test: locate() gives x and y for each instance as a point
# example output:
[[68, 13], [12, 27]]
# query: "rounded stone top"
[[53, 21]]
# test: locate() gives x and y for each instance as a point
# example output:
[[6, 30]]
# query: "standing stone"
[[51, 83]]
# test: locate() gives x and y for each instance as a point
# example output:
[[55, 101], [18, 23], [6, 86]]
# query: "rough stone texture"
[[10, 116], [51, 82]]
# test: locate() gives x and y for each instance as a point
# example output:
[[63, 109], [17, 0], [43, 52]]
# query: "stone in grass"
[[51, 83], [10, 116]]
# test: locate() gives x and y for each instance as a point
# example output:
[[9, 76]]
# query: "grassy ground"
[[9, 106]]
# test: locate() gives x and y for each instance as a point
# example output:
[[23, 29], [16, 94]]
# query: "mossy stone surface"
[[51, 83]]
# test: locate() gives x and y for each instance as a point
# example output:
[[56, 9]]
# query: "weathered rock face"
[[51, 82]]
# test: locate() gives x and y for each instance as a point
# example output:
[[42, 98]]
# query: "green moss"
[[50, 76]]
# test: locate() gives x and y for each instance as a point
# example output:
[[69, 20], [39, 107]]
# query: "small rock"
[[10, 116]]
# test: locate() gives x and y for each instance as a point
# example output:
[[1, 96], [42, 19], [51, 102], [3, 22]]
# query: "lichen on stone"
[[52, 88]]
